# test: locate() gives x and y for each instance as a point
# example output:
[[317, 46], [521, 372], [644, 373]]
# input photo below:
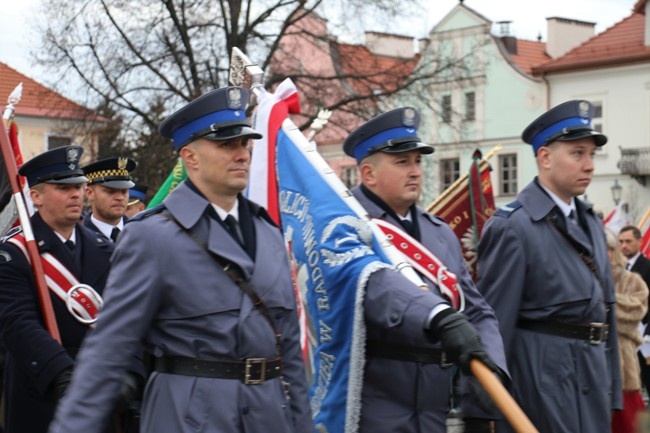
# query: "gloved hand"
[[61, 383], [129, 392], [459, 339], [478, 425]]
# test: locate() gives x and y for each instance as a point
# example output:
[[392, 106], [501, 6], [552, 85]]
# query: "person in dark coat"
[[416, 398], [629, 238], [226, 355], [38, 368], [543, 267], [109, 180]]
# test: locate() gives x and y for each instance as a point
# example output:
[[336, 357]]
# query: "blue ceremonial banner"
[[334, 252]]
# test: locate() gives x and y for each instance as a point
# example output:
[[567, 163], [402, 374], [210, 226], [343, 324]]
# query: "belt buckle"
[[443, 360], [598, 332], [250, 362]]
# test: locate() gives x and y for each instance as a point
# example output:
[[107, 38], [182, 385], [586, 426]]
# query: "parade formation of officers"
[[198, 328]]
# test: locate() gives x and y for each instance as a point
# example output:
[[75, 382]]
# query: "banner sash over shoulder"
[[61, 281]]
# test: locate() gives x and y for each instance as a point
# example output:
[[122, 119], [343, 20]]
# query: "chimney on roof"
[[391, 45], [509, 41], [565, 34]]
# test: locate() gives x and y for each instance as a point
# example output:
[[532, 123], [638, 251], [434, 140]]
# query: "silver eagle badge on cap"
[[583, 109], [408, 117], [234, 98], [121, 163], [72, 157]]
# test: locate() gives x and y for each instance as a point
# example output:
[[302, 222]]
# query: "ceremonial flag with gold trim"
[[466, 205]]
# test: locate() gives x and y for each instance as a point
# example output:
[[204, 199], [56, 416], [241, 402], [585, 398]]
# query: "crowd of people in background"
[[198, 328]]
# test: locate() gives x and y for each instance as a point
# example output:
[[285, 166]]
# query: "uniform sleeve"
[[23, 334], [501, 274], [130, 302], [394, 302], [295, 375]]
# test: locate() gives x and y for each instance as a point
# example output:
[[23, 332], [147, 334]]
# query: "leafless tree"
[[139, 60]]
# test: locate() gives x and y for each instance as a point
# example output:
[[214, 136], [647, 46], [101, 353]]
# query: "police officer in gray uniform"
[[543, 267], [212, 303], [408, 373]]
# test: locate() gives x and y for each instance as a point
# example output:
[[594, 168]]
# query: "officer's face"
[[218, 168], [629, 244], [59, 205], [109, 204], [566, 167], [395, 177]]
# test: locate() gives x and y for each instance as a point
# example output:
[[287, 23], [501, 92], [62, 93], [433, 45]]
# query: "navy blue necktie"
[[115, 233], [70, 246], [233, 227]]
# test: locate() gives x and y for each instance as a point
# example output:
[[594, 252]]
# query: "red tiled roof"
[[370, 72], [620, 44], [529, 54], [37, 100]]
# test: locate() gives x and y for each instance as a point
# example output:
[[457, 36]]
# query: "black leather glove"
[[459, 339], [478, 425], [61, 383], [129, 393]]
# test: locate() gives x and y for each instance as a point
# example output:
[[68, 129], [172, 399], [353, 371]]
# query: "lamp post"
[[617, 190]]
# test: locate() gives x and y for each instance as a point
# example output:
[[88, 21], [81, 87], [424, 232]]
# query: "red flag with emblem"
[[466, 205]]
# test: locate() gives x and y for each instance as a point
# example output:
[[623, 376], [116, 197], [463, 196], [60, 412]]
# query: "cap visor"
[[599, 139], [230, 132], [117, 184], [407, 147], [69, 180]]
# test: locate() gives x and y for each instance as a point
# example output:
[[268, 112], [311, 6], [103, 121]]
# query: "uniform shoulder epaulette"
[[13, 232], [147, 213], [436, 219], [508, 209]]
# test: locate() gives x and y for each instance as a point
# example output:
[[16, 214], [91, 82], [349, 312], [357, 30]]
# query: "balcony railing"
[[635, 162]]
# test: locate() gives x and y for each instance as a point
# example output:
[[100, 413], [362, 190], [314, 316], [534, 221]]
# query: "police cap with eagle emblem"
[[113, 172], [60, 165], [218, 115], [392, 132], [568, 121]]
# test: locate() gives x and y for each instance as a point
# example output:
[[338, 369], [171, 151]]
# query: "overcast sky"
[[528, 20]]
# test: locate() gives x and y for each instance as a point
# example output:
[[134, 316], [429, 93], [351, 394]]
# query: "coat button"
[[394, 318], [245, 410], [585, 390], [34, 364]]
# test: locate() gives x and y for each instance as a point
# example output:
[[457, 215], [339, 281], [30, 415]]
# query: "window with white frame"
[[54, 141], [470, 106], [445, 106], [508, 174], [449, 172], [350, 177]]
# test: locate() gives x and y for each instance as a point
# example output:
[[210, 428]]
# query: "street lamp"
[[617, 190]]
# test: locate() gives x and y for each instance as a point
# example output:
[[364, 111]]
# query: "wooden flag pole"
[[645, 217], [502, 398], [32, 249]]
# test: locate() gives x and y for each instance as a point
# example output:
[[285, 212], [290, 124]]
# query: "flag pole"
[[23, 216], [645, 217], [462, 179], [502, 398]]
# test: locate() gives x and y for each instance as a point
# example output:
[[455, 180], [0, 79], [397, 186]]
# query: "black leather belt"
[[594, 333], [251, 371], [399, 352]]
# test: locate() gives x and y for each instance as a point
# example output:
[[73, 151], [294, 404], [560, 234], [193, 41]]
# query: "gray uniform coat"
[[412, 397], [167, 293], [528, 270]]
